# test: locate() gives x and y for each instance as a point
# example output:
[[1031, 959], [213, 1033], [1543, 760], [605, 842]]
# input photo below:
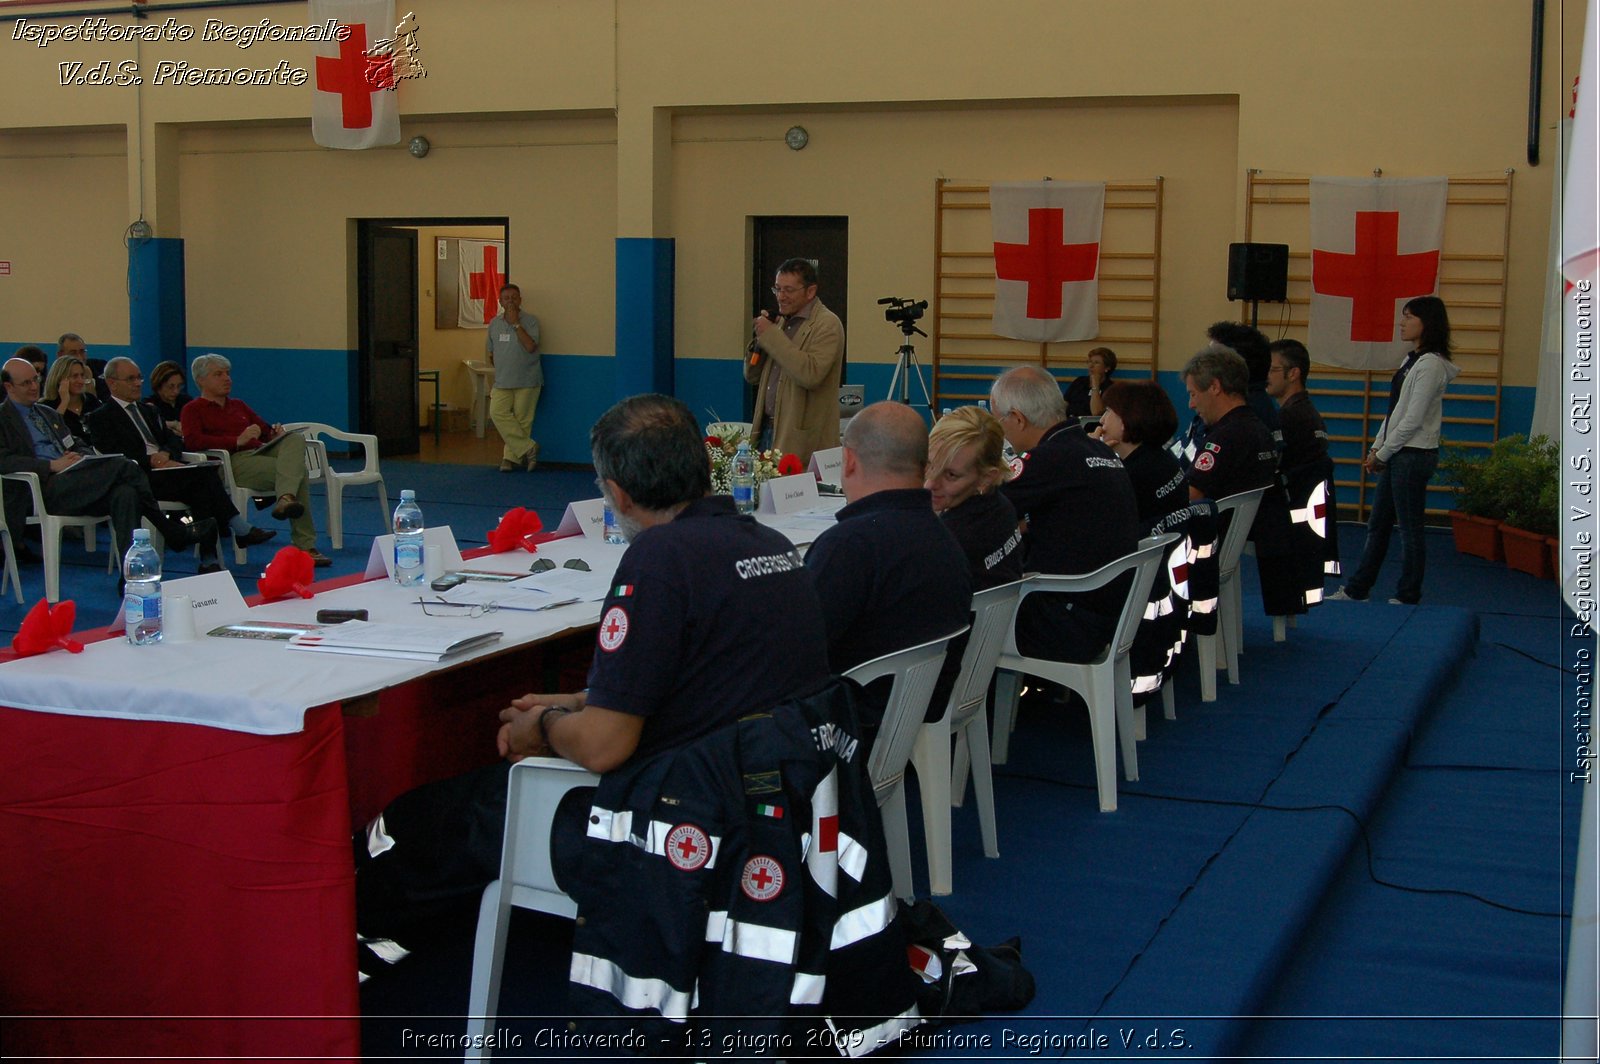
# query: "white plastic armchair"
[[319, 469], [50, 526]]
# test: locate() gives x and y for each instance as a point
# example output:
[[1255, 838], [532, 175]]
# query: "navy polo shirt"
[[1159, 485], [986, 528], [712, 616], [1238, 455], [889, 575], [1079, 505]]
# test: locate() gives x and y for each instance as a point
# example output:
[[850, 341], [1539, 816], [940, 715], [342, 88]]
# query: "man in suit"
[[33, 439], [127, 427], [795, 362]]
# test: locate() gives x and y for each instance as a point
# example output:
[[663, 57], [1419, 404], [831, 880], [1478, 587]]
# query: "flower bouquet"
[[769, 463]]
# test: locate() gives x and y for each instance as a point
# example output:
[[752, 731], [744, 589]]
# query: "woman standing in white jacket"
[[1405, 452]]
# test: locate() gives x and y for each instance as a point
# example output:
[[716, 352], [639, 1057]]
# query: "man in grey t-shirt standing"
[[513, 349]]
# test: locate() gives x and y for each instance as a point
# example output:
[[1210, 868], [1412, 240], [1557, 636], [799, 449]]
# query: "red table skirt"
[[171, 890]]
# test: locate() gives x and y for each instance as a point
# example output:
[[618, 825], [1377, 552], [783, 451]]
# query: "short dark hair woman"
[[1140, 413]]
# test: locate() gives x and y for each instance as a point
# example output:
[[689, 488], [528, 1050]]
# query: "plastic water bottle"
[[944, 413], [141, 603], [613, 533], [408, 540], [983, 404], [744, 480]]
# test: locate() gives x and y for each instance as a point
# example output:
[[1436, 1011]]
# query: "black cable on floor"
[[1366, 839]]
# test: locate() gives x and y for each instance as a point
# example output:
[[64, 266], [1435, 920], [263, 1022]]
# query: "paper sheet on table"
[[483, 593], [568, 583]]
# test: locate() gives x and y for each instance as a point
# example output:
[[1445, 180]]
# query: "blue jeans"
[[1401, 497]]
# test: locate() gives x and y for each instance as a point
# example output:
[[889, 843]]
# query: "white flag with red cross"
[[481, 271], [1580, 237], [1047, 259], [1375, 243], [353, 98]]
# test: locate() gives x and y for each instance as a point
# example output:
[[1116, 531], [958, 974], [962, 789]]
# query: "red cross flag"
[[1047, 259], [481, 265], [353, 103], [1374, 244], [1580, 238]]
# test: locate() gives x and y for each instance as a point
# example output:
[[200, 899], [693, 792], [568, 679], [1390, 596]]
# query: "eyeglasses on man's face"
[[788, 290]]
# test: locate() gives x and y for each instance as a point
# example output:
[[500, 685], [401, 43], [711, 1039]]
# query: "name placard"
[[587, 516], [380, 562], [828, 465], [785, 495], [214, 598]]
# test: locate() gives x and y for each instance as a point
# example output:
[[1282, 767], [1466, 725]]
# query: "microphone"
[[754, 350]]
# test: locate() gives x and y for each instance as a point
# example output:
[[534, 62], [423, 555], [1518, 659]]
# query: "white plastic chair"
[[1230, 601], [915, 671], [965, 726], [482, 375], [1106, 683], [50, 526], [10, 572], [527, 880], [243, 498], [318, 470]]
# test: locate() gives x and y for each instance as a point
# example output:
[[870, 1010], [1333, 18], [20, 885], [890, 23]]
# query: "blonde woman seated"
[[70, 389], [966, 464]]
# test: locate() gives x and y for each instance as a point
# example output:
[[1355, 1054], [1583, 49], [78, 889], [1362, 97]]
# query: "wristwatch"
[[543, 733]]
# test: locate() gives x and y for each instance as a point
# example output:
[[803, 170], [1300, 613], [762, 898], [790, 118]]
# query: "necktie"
[[144, 428], [48, 429]]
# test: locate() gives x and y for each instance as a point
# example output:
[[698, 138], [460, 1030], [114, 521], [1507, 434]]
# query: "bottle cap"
[[407, 493]]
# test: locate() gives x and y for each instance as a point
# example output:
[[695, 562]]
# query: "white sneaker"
[[1340, 596]]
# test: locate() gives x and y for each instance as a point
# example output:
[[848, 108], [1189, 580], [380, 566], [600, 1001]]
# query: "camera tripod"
[[905, 366]]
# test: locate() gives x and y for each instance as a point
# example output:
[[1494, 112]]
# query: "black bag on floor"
[[961, 980]]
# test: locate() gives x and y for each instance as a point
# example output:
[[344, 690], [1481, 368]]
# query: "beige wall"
[[587, 121]]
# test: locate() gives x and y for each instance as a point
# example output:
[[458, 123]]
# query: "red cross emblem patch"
[[687, 847], [1204, 461], [762, 879], [613, 628]]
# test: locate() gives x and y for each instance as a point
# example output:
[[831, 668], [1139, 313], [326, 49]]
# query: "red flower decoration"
[[45, 629], [789, 465], [289, 573], [713, 441], [514, 531]]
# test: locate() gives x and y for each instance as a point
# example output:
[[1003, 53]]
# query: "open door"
[[388, 336], [823, 239]]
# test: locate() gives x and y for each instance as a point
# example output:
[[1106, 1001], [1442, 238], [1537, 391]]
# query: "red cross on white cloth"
[[1047, 259], [353, 98], [1375, 243]]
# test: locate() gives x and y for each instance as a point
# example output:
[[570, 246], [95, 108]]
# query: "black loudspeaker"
[[1258, 273]]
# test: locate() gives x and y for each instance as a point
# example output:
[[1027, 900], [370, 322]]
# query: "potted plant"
[[1479, 509], [1531, 491]]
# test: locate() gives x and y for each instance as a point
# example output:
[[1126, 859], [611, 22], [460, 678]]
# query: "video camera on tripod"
[[903, 312]]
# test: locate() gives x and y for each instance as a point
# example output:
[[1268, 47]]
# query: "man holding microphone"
[[795, 362]]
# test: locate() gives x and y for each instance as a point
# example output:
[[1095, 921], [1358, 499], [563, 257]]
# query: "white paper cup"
[[177, 619], [432, 562]]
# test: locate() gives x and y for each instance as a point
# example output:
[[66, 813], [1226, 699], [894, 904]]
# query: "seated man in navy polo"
[[1240, 455], [34, 439], [889, 574], [711, 617], [1079, 512]]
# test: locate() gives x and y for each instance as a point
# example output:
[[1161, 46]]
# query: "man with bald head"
[[889, 574], [34, 439], [1078, 509]]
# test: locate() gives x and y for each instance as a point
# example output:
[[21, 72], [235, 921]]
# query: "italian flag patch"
[[774, 811], [622, 591]]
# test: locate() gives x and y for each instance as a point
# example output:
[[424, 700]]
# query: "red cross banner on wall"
[[353, 83], [482, 271], [1374, 244], [1047, 259]]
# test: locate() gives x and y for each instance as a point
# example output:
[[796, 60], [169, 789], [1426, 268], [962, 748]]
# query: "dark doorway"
[[388, 337], [388, 327], [823, 239]]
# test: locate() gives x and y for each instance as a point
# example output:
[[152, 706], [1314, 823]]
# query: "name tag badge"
[[786, 495]]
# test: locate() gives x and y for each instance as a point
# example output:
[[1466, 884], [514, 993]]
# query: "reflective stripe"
[[1204, 550], [634, 993], [858, 924], [609, 826], [1146, 684], [755, 941], [1313, 596], [863, 1041], [378, 840], [852, 857], [807, 989], [387, 949], [1331, 568], [1205, 605]]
